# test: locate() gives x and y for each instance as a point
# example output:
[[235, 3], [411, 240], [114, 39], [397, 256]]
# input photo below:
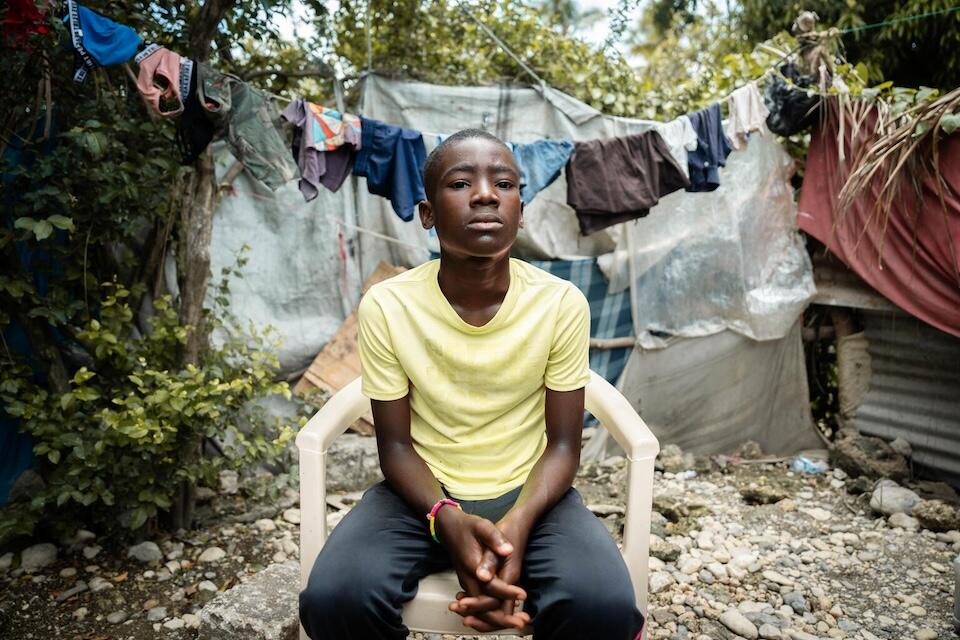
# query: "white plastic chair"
[[428, 613]]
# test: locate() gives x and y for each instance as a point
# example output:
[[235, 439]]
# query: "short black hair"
[[432, 165]]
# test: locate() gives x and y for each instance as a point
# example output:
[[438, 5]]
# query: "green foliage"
[[435, 41], [116, 418], [910, 53], [116, 445]]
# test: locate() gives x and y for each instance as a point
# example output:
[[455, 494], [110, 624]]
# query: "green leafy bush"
[[117, 445]]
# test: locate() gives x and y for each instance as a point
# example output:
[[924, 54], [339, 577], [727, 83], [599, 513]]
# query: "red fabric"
[[913, 258], [23, 18]]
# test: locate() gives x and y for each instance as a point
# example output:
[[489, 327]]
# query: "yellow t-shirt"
[[477, 394]]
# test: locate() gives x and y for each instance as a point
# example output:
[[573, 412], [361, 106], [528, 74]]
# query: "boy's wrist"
[[448, 519]]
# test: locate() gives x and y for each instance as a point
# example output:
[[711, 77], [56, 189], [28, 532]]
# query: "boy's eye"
[[459, 184], [505, 184]]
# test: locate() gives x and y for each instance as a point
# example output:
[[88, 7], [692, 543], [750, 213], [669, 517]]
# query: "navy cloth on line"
[[391, 159], [711, 152], [540, 163], [97, 40]]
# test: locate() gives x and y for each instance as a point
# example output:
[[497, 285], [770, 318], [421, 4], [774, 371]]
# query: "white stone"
[[889, 498], [6, 561], [174, 624], [117, 617], [98, 583], [738, 623], [904, 521], [172, 566], [660, 580], [690, 565], [266, 525], [156, 614], [926, 634], [212, 554], [38, 556], [292, 515], [91, 552], [80, 614], [191, 620], [229, 482], [770, 632], [207, 585], [817, 513], [779, 578], [68, 572], [145, 552]]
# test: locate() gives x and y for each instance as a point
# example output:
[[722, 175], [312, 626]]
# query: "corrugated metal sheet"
[[914, 389]]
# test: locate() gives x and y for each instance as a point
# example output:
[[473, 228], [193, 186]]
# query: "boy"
[[475, 365]]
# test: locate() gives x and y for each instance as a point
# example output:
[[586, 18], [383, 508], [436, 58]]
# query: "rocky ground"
[[740, 549]]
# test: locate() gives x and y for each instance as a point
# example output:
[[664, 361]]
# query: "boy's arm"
[[466, 537]]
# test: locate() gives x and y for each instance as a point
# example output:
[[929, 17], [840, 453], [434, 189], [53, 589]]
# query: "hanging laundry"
[[160, 80], [23, 19], [392, 159], [792, 109], [194, 129], [324, 145], [540, 163], [98, 41], [618, 179], [248, 121], [711, 152], [680, 138], [747, 114]]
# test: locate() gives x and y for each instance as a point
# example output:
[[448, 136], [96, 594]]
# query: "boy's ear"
[[521, 214], [426, 214]]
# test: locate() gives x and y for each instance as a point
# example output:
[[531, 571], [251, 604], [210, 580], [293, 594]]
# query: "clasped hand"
[[487, 558]]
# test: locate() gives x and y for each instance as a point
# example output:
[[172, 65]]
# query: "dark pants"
[[578, 587]]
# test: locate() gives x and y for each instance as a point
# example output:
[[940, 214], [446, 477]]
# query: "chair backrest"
[[601, 399]]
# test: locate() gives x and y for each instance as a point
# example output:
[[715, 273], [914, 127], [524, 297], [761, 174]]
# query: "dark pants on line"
[[578, 587]]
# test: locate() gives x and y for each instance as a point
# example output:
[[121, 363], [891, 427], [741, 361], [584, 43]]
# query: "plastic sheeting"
[[710, 394], [300, 278], [728, 259]]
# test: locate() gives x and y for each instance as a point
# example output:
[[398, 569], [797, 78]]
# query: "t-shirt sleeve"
[[568, 365], [382, 377]]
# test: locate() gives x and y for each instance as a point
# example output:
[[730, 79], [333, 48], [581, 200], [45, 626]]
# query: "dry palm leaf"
[[903, 150]]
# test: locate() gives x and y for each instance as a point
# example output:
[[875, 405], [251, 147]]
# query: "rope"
[[919, 16], [502, 45]]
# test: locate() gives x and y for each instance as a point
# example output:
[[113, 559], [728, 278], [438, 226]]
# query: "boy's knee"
[[325, 604], [609, 613]]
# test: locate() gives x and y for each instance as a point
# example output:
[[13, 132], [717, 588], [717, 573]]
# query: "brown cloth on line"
[[618, 179]]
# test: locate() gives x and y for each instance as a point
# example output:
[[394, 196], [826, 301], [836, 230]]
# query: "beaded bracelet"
[[432, 516]]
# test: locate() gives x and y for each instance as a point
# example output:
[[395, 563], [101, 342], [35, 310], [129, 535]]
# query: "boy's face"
[[475, 207]]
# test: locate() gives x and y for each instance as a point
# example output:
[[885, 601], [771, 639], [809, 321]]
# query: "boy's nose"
[[485, 193]]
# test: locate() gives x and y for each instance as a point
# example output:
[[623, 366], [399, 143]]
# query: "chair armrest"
[[333, 418], [615, 413]]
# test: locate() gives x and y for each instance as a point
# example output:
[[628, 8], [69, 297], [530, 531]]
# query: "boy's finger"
[[472, 605], [488, 566], [504, 591], [493, 538]]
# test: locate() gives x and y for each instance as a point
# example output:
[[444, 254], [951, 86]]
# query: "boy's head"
[[473, 201]]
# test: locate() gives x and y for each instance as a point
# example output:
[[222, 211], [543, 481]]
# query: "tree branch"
[[204, 28]]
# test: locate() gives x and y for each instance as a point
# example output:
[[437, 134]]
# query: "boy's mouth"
[[485, 223]]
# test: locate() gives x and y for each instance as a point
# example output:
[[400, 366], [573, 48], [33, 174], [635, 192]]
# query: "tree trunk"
[[193, 249]]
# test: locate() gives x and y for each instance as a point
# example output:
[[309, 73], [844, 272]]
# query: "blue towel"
[[98, 41]]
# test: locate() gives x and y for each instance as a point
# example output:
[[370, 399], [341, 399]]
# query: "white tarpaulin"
[[710, 394], [296, 279]]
